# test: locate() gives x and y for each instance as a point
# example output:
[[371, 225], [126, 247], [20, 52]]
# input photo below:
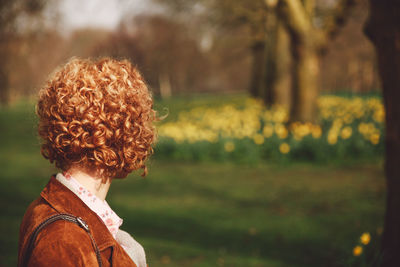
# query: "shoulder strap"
[[61, 216]]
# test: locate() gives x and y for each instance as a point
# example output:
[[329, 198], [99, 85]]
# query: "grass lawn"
[[209, 214]]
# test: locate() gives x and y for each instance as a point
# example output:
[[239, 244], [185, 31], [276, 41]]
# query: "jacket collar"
[[64, 200]]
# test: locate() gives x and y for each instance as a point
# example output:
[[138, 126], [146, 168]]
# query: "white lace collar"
[[100, 207]]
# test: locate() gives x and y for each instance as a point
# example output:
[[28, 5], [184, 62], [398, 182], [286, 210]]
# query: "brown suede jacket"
[[63, 243]]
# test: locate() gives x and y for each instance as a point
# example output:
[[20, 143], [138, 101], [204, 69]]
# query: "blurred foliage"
[[348, 128], [191, 53], [12, 10]]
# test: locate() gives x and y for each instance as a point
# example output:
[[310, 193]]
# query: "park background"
[[271, 152]]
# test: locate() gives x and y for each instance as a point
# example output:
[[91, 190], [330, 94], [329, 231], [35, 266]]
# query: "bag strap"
[[61, 216]]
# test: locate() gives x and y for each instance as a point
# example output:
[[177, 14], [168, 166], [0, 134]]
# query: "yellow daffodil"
[[268, 131], [379, 114], [284, 148], [252, 120], [281, 131], [346, 132], [362, 128], [316, 131], [357, 250], [374, 138], [348, 118], [258, 139], [365, 238], [229, 146], [332, 138]]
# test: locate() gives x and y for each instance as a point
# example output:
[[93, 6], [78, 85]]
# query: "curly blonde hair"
[[97, 115]]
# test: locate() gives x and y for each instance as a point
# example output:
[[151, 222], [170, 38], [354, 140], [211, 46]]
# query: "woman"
[[96, 122]]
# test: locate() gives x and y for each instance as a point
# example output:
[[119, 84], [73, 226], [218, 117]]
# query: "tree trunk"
[[4, 85], [282, 85], [383, 28], [271, 58], [257, 83], [305, 80], [306, 44], [165, 85], [278, 74]]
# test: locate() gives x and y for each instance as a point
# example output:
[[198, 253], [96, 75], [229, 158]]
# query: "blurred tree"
[[11, 17], [308, 40], [383, 28], [350, 62], [266, 39], [164, 51], [310, 25], [278, 59]]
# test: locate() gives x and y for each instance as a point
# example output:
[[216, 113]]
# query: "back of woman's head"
[[97, 116]]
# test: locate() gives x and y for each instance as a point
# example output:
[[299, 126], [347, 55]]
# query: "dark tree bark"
[[257, 82], [270, 67], [4, 99], [271, 58], [383, 29], [278, 59], [283, 74]]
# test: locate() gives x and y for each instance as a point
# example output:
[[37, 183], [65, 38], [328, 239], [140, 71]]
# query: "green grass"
[[209, 214]]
